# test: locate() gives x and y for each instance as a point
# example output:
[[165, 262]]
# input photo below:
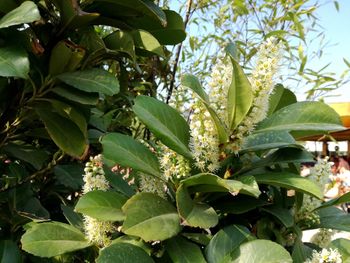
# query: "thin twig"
[[178, 52]]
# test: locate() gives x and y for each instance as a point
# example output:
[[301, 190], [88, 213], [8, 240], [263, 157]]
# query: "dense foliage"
[[94, 167]]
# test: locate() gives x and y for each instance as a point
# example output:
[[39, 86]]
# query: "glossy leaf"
[[52, 239], [282, 214], [239, 205], [124, 150], [104, 206], [239, 97], [65, 133], [14, 62], [345, 198], [9, 252], [192, 82], [92, 80], [192, 213], [290, 181], [146, 43], [261, 251], [121, 41], [302, 116], [120, 8], [267, 140], [69, 175], [301, 252], [224, 242], [333, 218], [86, 98], [280, 97], [123, 252], [27, 12], [222, 185], [118, 183], [150, 217], [75, 219], [182, 251], [173, 33], [165, 122]]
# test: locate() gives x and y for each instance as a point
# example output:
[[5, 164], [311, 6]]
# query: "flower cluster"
[[94, 179], [151, 184], [205, 140], [262, 84], [325, 256], [173, 164], [323, 237]]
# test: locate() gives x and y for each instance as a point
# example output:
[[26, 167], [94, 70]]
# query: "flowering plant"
[[218, 180]]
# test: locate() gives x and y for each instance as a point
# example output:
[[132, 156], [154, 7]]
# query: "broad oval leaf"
[[146, 44], [302, 116], [104, 206], [282, 214], [280, 98], [165, 122], [92, 80], [181, 250], [261, 251], [333, 218], [343, 247], [123, 252], [267, 140], [193, 83], [239, 97], [65, 133], [27, 12], [124, 150], [150, 217], [121, 41], [85, 98], [290, 181], [52, 239], [192, 213], [224, 242], [14, 62]]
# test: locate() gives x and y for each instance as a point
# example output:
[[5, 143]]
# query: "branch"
[[178, 52]]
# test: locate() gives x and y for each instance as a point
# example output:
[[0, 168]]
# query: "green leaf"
[[345, 198], [92, 80], [286, 155], [124, 150], [172, 34], [123, 252], [9, 252], [14, 62], [27, 12], [150, 217], [302, 116], [121, 41], [260, 251], [86, 98], [118, 183], [192, 82], [333, 218], [224, 242], [104, 206], [239, 97], [52, 239], [165, 122], [301, 252], [69, 175], [182, 251], [213, 181], [343, 247], [65, 133], [28, 153], [192, 213], [146, 43], [239, 205], [282, 214], [280, 97], [267, 140], [73, 218], [290, 181], [122, 8]]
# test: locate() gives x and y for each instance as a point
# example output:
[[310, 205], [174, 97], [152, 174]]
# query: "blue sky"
[[337, 29]]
